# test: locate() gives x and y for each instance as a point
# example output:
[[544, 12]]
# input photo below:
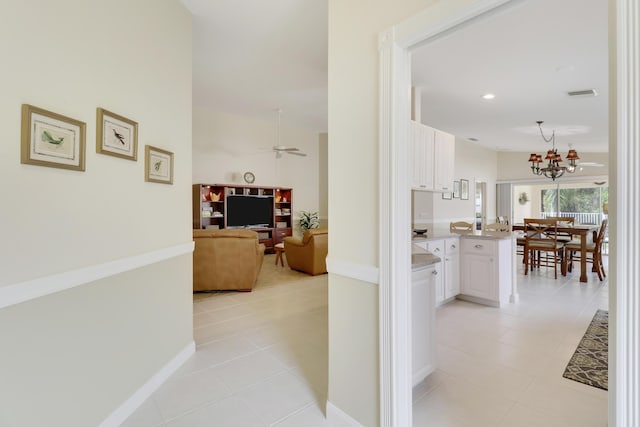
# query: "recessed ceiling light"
[[488, 96]]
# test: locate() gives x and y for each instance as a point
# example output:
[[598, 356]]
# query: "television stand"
[[211, 203], [265, 236]]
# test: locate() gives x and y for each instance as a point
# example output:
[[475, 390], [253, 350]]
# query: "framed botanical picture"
[[51, 139], [456, 189], [158, 165], [446, 195], [116, 135], [464, 189]]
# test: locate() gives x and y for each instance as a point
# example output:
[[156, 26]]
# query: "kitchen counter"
[[475, 234], [421, 258]]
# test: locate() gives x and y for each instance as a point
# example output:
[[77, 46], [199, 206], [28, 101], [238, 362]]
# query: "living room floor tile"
[[267, 362]]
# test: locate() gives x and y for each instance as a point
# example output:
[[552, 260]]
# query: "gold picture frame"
[[158, 165], [116, 135], [51, 139]]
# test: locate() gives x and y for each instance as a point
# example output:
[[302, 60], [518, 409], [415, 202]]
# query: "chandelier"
[[552, 169]]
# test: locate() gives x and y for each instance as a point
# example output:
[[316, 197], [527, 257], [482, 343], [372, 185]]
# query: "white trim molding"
[[36, 288], [362, 272], [394, 192], [624, 348], [129, 406], [338, 418]]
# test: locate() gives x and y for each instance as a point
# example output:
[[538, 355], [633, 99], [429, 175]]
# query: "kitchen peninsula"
[[476, 266]]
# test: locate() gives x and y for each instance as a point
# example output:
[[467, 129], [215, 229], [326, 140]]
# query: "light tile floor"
[[503, 367], [261, 360]]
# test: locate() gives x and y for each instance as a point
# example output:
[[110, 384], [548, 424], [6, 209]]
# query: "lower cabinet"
[[423, 322], [448, 278], [486, 270]]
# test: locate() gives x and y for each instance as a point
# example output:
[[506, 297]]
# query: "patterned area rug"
[[589, 363]]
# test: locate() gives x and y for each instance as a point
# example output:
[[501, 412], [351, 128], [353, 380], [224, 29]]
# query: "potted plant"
[[309, 220]]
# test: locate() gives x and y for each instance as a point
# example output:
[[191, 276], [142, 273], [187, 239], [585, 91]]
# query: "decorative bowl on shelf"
[[420, 231]]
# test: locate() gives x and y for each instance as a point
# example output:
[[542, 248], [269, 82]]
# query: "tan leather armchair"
[[309, 254], [227, 259]]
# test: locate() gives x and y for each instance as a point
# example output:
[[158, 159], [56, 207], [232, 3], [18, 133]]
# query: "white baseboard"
[[362, 272], [118, 416], [31, 289], [338, 418]]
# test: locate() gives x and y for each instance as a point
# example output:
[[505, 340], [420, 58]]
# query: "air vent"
[[473, 139], [586, 92]]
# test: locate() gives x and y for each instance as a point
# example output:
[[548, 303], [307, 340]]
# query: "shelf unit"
[[209, 209]]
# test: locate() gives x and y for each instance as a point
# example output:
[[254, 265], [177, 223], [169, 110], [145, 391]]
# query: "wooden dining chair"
[[568, 221], [594, 251], [497, 226], [461, 226], [541, 236]]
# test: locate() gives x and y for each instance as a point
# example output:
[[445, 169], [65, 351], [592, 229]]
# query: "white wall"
[[323, 177], [473, 163], [72, 357], [225, 146], [353, 198]]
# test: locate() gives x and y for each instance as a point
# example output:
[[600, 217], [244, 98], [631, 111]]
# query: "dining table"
[[581, 230]]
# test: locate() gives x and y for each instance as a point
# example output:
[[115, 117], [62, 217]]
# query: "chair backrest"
[[315, 234], [541, 230], [598, 238], [497, 227], [461, 226], [503, 220]]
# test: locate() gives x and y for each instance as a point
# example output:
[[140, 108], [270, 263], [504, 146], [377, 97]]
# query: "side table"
[[279, 248]]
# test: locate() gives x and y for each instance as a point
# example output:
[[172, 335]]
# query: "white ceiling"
[[252, 57], [529, 56]]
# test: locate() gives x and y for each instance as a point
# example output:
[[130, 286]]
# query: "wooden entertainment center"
[[210, 210]]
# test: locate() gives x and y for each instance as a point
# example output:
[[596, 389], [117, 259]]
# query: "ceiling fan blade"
[[283, 148], [297, 153]]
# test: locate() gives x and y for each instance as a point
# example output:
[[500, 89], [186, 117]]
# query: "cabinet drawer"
[[436, 247], [452, 246], [280, 233], [479, 246]]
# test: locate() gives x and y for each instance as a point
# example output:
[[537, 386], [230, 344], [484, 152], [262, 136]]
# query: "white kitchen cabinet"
[[433, 158], [423, 322], [447, 284], [451, 268], [486, 269], [444, 163]]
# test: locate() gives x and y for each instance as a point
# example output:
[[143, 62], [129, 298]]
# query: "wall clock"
[[249, 177]]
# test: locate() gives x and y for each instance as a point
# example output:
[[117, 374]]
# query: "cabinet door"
[[451, 275], [444, 153], [436, 247], [417, 148], [479, 276], [429, 158], [422, 324], [422, 140]]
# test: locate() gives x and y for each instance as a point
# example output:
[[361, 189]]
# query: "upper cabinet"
[[433, 158]]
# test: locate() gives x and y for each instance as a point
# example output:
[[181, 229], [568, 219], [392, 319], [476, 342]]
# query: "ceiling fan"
[[279, 148]]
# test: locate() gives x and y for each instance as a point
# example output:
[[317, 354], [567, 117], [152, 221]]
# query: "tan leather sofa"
[[308, 254], [227, 259]]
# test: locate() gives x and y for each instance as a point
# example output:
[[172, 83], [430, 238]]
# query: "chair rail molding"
[[36, 288]]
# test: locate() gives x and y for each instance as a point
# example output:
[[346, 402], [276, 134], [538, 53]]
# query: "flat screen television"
[[249, 211]]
